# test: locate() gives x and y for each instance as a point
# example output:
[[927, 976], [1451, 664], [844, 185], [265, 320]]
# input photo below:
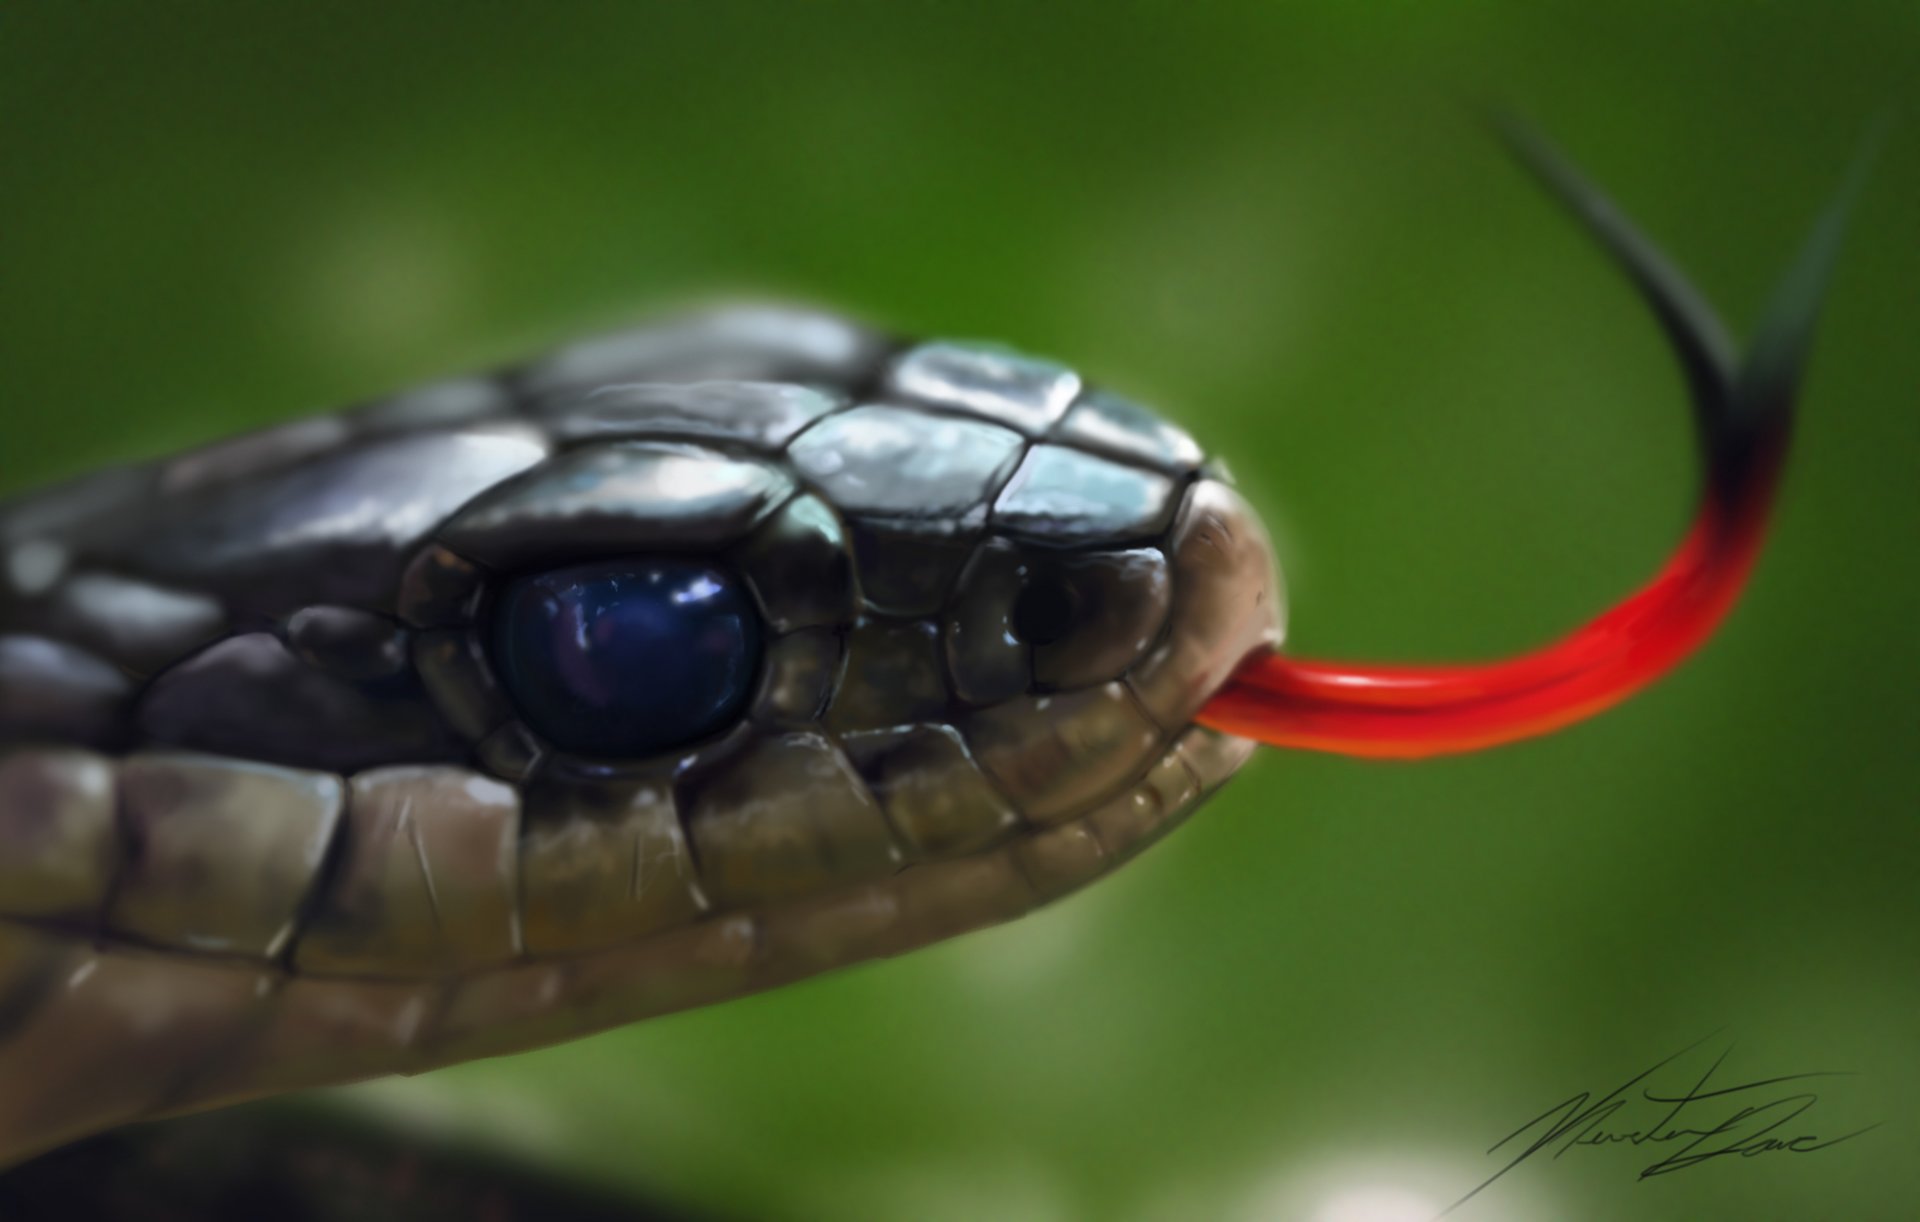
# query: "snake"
[[675, 665]]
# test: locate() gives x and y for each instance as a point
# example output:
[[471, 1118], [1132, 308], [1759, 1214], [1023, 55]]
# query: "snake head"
[[665, 668], [824, 647]]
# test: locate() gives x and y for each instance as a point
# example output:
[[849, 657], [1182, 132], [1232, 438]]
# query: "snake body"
[[268, 819]]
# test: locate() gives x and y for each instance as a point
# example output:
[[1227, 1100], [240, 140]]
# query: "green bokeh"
[[1281, 223]]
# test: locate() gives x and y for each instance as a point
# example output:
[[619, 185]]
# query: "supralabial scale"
[[669, 667]]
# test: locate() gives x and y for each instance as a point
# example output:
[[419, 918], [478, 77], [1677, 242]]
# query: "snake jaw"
[[1743, 412]]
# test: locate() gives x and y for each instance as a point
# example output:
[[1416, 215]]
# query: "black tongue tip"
[[1743, 409], [1760, 410]]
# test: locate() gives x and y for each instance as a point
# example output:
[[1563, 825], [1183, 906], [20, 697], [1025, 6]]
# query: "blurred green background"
[[1281, 223]]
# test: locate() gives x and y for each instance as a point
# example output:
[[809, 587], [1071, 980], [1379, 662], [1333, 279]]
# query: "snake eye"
[[625, 658]]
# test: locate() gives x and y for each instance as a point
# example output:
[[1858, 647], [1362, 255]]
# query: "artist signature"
[[1690, 1126]]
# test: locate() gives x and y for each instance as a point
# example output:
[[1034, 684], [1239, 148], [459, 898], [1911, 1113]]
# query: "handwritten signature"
[[1747, 1119]]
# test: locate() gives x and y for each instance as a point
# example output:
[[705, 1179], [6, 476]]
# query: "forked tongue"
[[1743, 414]]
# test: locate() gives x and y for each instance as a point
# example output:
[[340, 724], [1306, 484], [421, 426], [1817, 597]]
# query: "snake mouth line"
[[1743, 416]]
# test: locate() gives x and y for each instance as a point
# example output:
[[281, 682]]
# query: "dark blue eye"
[[628, 657]]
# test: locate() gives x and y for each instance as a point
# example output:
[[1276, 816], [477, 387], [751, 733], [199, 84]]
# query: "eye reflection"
[[627, 658]]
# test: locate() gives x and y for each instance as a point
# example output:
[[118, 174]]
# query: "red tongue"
[[1406, 712], [1743, 417]]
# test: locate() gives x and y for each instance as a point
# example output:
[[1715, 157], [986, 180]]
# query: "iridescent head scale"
[[671, 667]]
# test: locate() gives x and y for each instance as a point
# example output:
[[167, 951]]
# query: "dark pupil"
[[1044, 611], [628, 657]]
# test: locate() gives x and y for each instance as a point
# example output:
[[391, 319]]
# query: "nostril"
[[1045, 611]]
